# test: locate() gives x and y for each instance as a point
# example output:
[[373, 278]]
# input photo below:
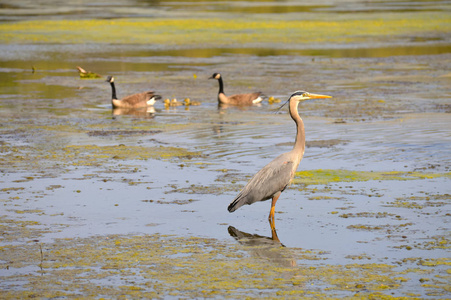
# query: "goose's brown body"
[[238, 99], [138, 100]]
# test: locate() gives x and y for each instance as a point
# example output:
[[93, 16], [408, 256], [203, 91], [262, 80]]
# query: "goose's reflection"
[[222, 107], [144, 112], [264, 246]]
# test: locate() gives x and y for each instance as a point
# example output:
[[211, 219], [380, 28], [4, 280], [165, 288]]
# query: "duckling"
[[87, 74], [143, 99], [239, 99], [174, 102], [272, 100], [189, 102]]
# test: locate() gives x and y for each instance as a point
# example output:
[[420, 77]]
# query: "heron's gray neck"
[[299, 143]]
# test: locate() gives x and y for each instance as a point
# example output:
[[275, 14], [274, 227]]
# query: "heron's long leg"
[[273, 206]]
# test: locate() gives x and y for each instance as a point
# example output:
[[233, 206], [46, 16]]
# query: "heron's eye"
[[305, 94]]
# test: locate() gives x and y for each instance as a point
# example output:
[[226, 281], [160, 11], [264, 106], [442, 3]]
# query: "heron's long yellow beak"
[[318, 96]]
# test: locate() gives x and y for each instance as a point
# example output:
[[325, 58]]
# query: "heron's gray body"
[[272, 180]]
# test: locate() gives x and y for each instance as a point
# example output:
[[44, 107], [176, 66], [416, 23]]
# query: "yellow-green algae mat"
[[326, 176], [212, 31], [87, 155], [158, 266]]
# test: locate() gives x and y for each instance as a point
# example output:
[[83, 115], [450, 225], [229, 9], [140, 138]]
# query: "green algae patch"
[[104, 133], [435, 242], [420, 202], [19, 230], [213, 189], [14, 189], [386, 227], [370, 215], [323, 176], [206, 31], [34, 158], [159, 266], [93, 154]]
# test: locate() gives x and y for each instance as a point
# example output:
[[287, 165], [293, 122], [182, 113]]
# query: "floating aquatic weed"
[[420, 202], [12, 189], [387, 227], [324, 176], [18, 230], [435, 242], [216, 31], [122, 132], [158, 266], [376, 215], [177, 202], [202, 189], [325, 198]]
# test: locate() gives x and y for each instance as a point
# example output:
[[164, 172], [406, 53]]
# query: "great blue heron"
[[139, 100], [272, 180], [239, 99]]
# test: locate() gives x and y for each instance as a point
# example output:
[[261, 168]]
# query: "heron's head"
[[299, 96], [215, 76], [303, 95], [110, 79]]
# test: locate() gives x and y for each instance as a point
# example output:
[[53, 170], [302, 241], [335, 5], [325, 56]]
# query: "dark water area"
[[119, 203]]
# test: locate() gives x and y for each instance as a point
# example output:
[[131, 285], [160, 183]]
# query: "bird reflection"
[[144, 112], [222, 107], [264, 246]]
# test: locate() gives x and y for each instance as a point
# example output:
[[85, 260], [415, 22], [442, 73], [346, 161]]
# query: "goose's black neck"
[[221, 85], [113, 89]]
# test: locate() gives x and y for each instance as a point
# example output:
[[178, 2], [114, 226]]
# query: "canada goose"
[[239, 99], [133, 101]]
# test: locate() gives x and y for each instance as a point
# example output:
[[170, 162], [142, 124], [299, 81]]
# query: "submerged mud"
[[159, 266]]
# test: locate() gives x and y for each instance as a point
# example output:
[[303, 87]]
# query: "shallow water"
[[74, 173]]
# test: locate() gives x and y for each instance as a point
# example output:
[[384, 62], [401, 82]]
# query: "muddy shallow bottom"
[[132, 204]]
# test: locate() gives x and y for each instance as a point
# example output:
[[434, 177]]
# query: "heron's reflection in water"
[[144, 112], [264, 247]]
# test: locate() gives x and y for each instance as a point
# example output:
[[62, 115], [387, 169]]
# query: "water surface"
[[112, 203]]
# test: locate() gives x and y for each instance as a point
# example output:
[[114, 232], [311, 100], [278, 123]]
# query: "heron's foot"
[[274, 236], [272, 224]]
